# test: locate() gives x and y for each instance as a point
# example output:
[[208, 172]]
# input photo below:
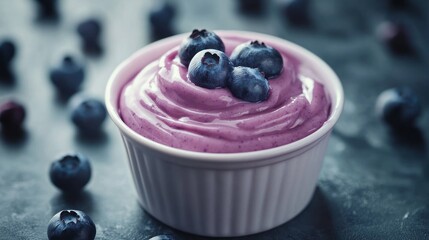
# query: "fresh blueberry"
[[396, 37], [90, 31], [248, 84], [71, 225], [251, 6], [197, 41], [7, 52], [258, 55], [88, 115], [296, 11], [210, 69], [161, 18], [70, 173], [12, 115], [68, 76], [162, 237], [398, 107], [47, 8]]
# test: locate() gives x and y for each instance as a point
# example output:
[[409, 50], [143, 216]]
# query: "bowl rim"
[[337, 101]]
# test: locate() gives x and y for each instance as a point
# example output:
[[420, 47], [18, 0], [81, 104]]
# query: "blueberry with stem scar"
[[71, 225], [254, 54], [67, 77], [210, 69], [70, 173], [197, 41]]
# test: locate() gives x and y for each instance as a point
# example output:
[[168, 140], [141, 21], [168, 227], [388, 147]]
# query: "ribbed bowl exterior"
[[226, 200]]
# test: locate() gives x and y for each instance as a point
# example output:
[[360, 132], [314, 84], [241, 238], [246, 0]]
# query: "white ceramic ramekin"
[[228, 194]]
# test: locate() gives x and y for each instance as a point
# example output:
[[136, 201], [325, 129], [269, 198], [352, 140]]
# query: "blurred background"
[[375, 180]]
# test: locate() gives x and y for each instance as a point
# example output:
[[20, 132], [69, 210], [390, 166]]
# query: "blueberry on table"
[[251, 6], [161, 18], [68, 76], [162, 237], [47, 8], [90, 31], [70, 173], [89, 115], [398, 107], [395, 36], [7, 53], [12, 115], [71, 225], [197, 41], [295, 11], [210, 69], [258, 55], [248, 84]]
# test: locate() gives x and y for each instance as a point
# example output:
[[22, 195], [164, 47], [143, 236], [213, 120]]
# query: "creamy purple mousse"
[[162, 104]]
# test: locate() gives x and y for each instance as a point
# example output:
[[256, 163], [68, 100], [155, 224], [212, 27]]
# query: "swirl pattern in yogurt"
[[162, 104]]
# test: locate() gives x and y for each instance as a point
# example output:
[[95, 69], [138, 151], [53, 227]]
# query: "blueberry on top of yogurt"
[[255, 54], [210, 69], [197, 41], [249, 84]]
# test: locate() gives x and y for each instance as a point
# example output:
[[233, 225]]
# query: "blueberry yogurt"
[[225, 94]]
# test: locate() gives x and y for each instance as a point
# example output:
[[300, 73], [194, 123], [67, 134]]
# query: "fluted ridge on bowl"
[[216, 202]]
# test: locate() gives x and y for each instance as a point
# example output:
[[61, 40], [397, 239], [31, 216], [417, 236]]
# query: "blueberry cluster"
[[245, 73], [72, 172]]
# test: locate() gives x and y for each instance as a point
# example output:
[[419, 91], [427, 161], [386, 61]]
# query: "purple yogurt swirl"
[[162, 104]]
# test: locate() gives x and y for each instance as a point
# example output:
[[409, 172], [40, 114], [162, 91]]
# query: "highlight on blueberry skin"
[[70, 173], [162, 237], [88, 115], [398, 107], [210, 69], [248, 84], [254, 54], [197, 41], [68, 76], [71, 225]]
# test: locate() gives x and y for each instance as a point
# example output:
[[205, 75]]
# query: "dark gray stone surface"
[[374, 184]]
